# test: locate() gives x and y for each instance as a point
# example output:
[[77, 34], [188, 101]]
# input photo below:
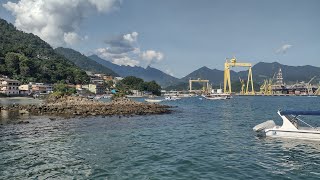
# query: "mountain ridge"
[[84, 62], [261, 71], [147, 74]]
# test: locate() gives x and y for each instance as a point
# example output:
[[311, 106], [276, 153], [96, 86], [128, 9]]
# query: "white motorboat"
[[292, 126], [134, 96], [219, 96], [107, 96], [172, 98], [153, 100]]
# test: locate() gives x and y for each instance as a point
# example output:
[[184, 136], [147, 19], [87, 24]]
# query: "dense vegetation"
[[84, 62], [62, 89], [27, 58], [131, 82]]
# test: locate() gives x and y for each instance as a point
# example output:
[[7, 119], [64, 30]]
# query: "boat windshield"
[[293, 120]]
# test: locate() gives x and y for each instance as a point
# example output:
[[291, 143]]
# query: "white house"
[[9, 86]]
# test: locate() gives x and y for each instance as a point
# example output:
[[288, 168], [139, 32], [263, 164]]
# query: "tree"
[[12, 63], [61, 89], [133, 82], [25, 56], [153, 87]]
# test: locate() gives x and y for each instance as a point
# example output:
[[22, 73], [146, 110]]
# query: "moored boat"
[[292, 126], [153, 100], [172, 98], [217, 96]]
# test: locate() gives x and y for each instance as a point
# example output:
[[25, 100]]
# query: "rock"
[[79, 106], [23, 122]]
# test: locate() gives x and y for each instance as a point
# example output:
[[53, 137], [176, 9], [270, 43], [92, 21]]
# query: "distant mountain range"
[[84, 62], [261, 71], [147, 74], [291, 74]]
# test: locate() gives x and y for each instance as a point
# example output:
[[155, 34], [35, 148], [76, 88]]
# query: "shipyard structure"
[[274, 86], [277, 86]]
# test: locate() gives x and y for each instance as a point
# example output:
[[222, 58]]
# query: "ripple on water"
[[200, 140]]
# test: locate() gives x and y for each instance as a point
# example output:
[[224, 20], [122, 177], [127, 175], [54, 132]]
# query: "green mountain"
[[291, 74], [215, 76], [26, 57], [147, 74], [84, 62], [261, 71]]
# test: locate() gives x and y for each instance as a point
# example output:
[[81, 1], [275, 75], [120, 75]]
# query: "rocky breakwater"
[[80, 106]]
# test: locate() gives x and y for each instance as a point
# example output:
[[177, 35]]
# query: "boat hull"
[[153, 100], [294, 134]]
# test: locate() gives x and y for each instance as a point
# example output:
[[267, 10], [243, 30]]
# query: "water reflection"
[[7, 117], [288, 156], [19, 100]]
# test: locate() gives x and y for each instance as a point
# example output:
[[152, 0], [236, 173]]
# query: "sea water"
[[201, 139]]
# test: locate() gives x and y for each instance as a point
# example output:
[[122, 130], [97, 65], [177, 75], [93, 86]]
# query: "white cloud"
[[56, 22], [131, 37], [124, 50], [125, 61], [151, 56], [72, 38], [103, 5], [283, 49], [120, 59]]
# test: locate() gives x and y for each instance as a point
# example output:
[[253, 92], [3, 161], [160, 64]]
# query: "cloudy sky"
[[176, 36]]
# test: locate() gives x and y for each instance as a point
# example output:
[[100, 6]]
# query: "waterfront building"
[[95, 88], [107, 78], [136, 93], [41, 88], [25, 89], [9, 86]]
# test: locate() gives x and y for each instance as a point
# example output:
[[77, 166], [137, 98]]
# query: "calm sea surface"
[[201, 139]]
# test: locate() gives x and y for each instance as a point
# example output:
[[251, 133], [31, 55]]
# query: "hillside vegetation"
[[26, 57], [84, 62]]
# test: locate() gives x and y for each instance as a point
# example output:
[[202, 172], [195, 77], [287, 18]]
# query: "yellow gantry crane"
[[266, 87], [317, 93], [205, 88], [227, 82], [242, 86], [309, 86]]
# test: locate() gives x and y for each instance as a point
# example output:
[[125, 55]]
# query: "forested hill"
[[84, 62], [27, 58]]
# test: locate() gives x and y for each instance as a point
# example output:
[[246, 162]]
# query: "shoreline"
[[69, 106]]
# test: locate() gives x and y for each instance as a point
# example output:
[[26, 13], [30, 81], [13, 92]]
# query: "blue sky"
[[180, 36]]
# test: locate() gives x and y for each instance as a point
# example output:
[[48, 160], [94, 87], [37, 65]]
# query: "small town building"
[[136, 93], [41, 88], [95, 88], [25, 89], [107, 78], [9, 86]]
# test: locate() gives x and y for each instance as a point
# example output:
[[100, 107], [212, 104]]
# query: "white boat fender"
[[265, 125]]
